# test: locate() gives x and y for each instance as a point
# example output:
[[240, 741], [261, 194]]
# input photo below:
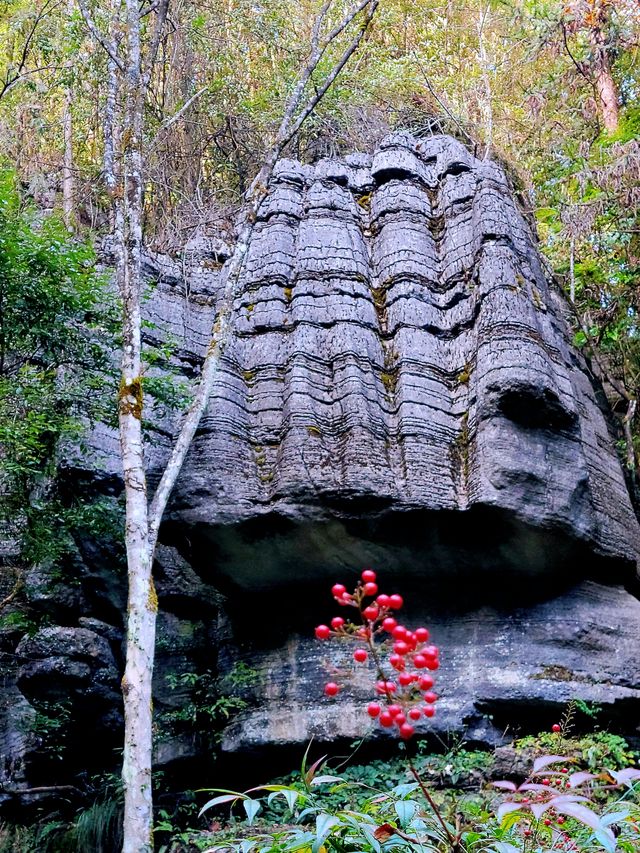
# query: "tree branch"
[[109, 46], [254, 198], [19, 73], [177, 116]]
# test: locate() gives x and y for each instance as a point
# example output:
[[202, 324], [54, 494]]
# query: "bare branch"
[[6, 601], [107, 44], [313, 102], [20, 72], [254, 198], [177, 115], [577, 64], [156, 38]]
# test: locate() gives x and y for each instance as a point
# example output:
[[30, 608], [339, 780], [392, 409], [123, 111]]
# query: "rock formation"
[[401, 391]]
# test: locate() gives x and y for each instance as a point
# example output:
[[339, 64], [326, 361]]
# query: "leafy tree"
[[56, 316]]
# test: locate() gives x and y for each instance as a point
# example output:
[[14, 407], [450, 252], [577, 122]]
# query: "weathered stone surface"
[[400, 391], [399, 362], [503, 670], [69, 663]]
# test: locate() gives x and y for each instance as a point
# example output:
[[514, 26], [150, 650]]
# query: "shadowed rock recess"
[[400, 392]]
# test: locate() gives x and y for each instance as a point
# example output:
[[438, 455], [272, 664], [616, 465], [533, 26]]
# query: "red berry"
[[407, 731], [430, 651], [381, 687], [415, 714], [370, 589], [323, 632], [331, 689], [547, 822], [360, 655], [411, 641], [383, 601], [399, 632], [373, 709], [400, 719], [405, 678], [370, 612], [397, 662], [400, 648], [556, 727], [386, 719], [433, 664], [389, 623], [338, 590], [368, 576], [426, 682], [396, 602], [429, 710], [561, 820], [546, 782], [422, 635], [390, 687], [420, 661], [337, 622], [564, 770], [363, 633], [430, 697], [394, 710]]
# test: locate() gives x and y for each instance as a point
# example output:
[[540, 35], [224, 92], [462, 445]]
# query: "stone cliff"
[[400, 391]]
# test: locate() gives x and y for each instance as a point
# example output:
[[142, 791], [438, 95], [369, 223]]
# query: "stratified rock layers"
[[401, 391], [399, 363]]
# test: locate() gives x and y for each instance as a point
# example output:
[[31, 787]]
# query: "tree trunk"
[[125, 187], [142, 603], [605, 85], [67, 169]]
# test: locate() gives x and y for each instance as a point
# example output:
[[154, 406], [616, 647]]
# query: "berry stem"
[[453, 842]]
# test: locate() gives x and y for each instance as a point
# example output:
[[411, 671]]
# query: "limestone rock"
[[504, 670], [400, 390]]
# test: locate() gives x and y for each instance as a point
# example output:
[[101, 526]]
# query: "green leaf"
[[251, 807], [406, 811], [324, 824]]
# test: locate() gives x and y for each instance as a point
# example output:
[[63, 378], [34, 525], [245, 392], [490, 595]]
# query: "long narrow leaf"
[[545, 760], [507, 808], [218, 801]]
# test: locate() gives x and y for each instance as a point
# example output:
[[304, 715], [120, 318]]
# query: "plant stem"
[[455, 846]]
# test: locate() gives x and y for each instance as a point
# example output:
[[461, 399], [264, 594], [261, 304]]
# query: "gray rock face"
[[503, 670], [400, 390]]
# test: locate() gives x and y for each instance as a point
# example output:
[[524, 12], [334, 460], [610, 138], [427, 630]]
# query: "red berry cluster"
[[406, 689]]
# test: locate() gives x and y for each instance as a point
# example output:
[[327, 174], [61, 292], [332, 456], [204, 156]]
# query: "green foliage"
[[593, 751], [57, 324], [49, 726], [212, 700]]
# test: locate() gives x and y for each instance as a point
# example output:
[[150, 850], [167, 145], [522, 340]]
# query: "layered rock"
[[400, 361], [400, 391]]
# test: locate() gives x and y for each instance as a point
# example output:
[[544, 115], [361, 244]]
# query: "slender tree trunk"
[[67, 169], [124, 182], [142, 603]]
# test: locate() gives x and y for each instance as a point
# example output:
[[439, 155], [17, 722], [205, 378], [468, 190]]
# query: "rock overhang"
[[400, 356]]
